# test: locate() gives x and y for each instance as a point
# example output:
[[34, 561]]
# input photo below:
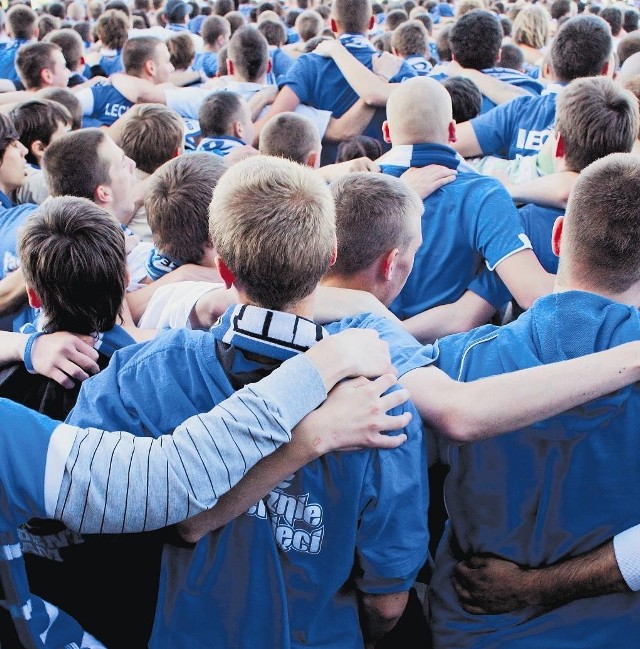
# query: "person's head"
[[292, 136], [100, 171], [76, 11], [597, 240], [95, 9], [628, 45], [531, 27], [630, 20], [581, 48], [22, 22], [613, 15], [222, 7], [309, 24], [70, 42], [378, 226], [410, 38], [226, 114], [40, 65], [395, 18], [13, 166], [475, 39], [466, 98], [120, 5], [177, 206], [47, 24], [151, 135], [418, 111], [442, 43], [594, 117], [273, 31], [68, 99], [112, 29], [147, 57], [84, 31], [351, 16], [272, 222], [248, 55], [512, 57], [74, 261], [382, 42], [359, 146], [182, 50], [176, 12], [223, 71], [39, 122], [560, 9], [236, 21], [215, 32]]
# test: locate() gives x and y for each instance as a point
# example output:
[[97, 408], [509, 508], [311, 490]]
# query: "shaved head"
[[419, 110]]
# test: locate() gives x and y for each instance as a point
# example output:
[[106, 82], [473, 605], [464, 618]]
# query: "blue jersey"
[[207, 62], [318, 82], [11, 219], [108, 104], [460, 230], [112, 63], [8, 59], [547, 492], [274, 576], [518, 127], [281, 62]]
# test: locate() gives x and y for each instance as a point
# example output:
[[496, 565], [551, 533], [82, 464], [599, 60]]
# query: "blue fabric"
[[21, 498], [207, 62], [547, 492], [318, 82], [276, 571], [221, 146], [112, 63], [8, 58], [281, 63], [460, 230], [517, 128], [11, 219], [158, 264], [108, 104], [419, 64], [195, 24], [192, 133]]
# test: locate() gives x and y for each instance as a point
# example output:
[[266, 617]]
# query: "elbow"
[[387, 609]]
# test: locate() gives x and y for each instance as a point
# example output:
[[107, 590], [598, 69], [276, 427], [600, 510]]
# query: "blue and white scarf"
[[396, 161], [221, 146], [158, 264]]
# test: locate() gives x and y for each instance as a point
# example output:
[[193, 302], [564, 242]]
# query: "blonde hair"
[[272, 222], [531, 27]]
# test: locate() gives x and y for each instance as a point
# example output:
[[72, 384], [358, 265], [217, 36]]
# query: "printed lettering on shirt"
[[296, 523], [531, 140], [115, 110]]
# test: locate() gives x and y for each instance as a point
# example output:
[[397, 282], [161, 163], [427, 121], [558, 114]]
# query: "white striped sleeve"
[[117, 482]]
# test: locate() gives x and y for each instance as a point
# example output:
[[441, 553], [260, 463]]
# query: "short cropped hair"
[[236, 21], [512, 57], [352, 15], [475, 39], [309, 24], [112, 28], [395, 18], [289, 135], [38, 119], [212, 28], [601, 225], [466, 98], [8, 134], [249, 51], [425, 19], [359, 146], [72, 253], [442, 43], [32, 59], [177, 205], [410, 38], [88, 170], [630, 20], [531, 27], [560, 8], [595, 116], [151, 135], [272, 222], [137, 51], [628, 45], [182, 50], [68, 99], [580, 48], [218, 112], [222, 7], [70, 42], [613, 15], [21, 21], [273, 31], [46, 25], [372, 214]]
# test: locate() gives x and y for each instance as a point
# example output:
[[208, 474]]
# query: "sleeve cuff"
[[626, 547]]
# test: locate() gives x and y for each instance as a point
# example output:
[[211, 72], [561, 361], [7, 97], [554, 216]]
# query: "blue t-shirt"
[[112, 63], [207, 62], [108, 105], [547, 492], [318, 82], [277, 572], [461, 230], [8, 59], [518, 127]]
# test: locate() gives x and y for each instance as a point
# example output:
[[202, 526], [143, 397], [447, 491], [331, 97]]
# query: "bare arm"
[[468, 312], [379, 614], [499, 92], [466, 412], [13, 292], [285, 101], [550, 191], [525, 278], [334, 303], [137, 90], [487, 584], [337, 170], [354, 416], [466, 142], [353, 122]]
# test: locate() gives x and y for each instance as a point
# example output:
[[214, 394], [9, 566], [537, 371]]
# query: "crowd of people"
[[319, 324]]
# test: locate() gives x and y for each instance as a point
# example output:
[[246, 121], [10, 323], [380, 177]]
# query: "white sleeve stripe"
[[60, 446]]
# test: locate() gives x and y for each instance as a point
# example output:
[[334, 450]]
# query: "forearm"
[[12, 346], [499, 92], [352, 123], [549, 191], [379, 614], [373, 89]]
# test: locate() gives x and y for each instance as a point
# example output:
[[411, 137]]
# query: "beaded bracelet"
[[28, 363]]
